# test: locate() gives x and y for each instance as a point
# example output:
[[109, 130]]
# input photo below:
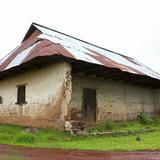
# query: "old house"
[[54, 80]]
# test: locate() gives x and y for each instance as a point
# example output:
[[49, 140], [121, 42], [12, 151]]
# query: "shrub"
[[156, 120], [51, 138], [103, 126], [144, 118], [123, 124], [25, 138]]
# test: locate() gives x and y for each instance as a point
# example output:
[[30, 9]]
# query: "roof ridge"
[[81, 40], [98, 55]]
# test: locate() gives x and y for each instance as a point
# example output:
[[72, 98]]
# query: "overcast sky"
[[130, 27]]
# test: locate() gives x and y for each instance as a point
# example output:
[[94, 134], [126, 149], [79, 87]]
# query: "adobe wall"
[[157, 100], [115, 100], [48, 95]]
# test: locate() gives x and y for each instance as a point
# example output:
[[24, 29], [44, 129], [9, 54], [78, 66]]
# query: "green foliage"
[[50, 135], [144, 118], [123, 124], [25, 138], [51, 138], [6, 137], [156, 120], [103, 126], [10, 129]]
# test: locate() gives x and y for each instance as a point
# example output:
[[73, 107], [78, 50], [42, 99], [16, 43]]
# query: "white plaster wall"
[[44, 96], [116, 100]]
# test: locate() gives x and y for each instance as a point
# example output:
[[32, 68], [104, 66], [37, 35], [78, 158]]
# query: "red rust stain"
[[47, 48], [44, 47], [110, 63], [27, 43]]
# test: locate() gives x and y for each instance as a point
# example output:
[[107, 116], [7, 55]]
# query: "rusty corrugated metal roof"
[[42, 41]]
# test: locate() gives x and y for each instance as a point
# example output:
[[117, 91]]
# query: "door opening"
[[89, 105]]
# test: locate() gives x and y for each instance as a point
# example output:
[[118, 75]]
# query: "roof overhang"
[[81, 67], [42, 46]]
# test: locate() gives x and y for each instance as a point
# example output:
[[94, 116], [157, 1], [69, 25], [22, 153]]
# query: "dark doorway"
[[89, 105], [21, 94]]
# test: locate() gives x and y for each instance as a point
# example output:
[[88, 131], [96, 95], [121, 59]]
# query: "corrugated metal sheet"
[[44, 41]]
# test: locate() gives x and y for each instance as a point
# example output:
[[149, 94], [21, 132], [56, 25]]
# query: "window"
[[21, 94], [1, 100]]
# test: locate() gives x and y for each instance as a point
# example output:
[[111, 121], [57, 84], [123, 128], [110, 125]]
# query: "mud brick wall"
[[157, 100], [47, 94], [115, 100]]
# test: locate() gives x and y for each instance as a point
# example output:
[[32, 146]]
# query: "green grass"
[[50, 138], [123, 126], [134, 125]]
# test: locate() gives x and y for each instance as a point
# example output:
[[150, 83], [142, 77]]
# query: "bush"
[[103, 126], [144, 118], [123, 124], [25, 138], [156, 120], [51, 138]]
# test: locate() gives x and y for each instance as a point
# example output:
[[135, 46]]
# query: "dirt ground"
[[22, 153]]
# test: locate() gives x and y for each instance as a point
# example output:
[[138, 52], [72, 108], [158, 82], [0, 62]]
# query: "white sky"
[[130, 27]]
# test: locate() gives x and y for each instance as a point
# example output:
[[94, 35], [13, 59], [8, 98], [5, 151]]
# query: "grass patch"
[[103, 126], [127, 143], [25, 138], [50, 138], [144, 122]]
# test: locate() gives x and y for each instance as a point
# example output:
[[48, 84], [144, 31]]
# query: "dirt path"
[[21, 153]]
